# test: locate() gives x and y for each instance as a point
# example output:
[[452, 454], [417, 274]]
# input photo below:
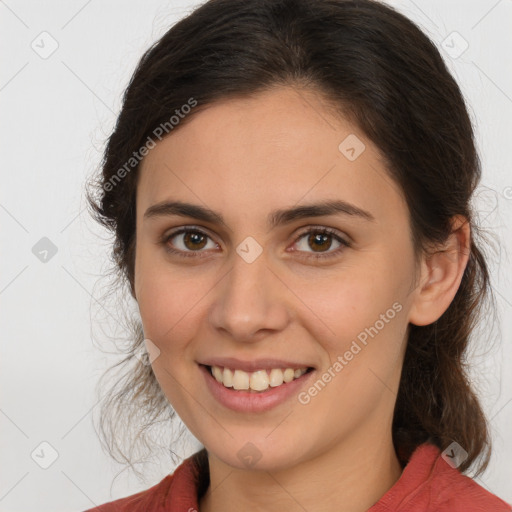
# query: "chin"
[[260, 454]]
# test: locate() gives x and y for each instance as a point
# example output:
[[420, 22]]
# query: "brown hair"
[[382, 73]]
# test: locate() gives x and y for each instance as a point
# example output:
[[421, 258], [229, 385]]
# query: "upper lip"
[[251, 366]]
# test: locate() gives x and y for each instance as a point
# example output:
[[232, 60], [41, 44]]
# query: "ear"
[[441, 275]]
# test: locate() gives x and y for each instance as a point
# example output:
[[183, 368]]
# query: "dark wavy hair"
[[382, 73]]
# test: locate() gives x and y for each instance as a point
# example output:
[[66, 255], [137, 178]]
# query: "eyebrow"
[[275, 218]]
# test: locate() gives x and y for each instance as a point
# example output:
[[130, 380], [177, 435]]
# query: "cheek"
[[168, 308], [359, 320], [158, 297], [361, 331], [170, 303], [340, 306]]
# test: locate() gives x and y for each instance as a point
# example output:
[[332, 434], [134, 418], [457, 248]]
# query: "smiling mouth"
[[258, 381]]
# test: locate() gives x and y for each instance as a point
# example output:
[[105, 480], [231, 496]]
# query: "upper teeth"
[[258, 380]]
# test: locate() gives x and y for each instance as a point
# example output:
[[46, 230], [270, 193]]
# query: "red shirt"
[[427, 484]]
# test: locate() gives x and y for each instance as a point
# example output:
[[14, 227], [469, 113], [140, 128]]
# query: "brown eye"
[[320, 241], [194, 240], [186, 242]]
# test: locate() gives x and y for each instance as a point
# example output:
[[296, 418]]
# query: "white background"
[[55, 116]]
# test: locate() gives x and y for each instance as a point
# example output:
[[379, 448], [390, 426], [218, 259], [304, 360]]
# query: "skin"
[[244, 158]]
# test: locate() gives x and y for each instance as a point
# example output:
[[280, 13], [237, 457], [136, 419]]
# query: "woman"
[[289, 186]]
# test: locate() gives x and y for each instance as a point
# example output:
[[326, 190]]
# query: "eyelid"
[[303, 231], [343, 239], [331, 231], [181, 229]]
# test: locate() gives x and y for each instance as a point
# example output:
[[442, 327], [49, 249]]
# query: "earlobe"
[[441, 275]]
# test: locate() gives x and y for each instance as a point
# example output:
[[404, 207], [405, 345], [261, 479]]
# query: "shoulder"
[[429, 483], [150, 499], [454, 491], [180, 489]]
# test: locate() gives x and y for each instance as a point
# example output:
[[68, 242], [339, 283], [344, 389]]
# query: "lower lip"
[[243, 401]]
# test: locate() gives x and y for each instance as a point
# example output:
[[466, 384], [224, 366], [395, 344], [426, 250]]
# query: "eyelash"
[[321, 230]]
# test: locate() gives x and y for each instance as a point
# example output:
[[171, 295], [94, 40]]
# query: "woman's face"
[[269, 288]]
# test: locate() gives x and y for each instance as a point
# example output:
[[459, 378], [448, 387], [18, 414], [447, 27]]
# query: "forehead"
[[255, 154]]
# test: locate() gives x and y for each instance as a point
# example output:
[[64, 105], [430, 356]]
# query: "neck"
[[350, 477]]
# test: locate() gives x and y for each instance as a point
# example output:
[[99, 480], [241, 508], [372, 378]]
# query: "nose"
[[250, 301]]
